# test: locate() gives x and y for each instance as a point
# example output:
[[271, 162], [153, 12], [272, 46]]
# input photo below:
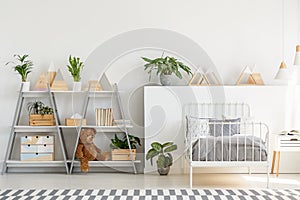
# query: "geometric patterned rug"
[[145, 194]]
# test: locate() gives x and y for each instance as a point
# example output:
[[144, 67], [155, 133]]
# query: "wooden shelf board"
[[100, 128], [108, 128], [18, 163], [110, 163], [101, 94], [35, 129], [35, 94], [63, 126]]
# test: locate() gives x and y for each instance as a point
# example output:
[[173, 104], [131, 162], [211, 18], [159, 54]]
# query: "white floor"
[[130, 181]]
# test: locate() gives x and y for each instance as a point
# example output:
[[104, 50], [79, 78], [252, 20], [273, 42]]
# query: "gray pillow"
[[215, 127]]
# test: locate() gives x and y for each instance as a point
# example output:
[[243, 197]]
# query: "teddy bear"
[[86, 149]]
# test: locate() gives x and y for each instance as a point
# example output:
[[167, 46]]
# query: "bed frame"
[[248, 127]]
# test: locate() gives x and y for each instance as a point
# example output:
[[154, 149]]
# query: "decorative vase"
[[76, 86], [165, 79], [163, 171], [26, 86]]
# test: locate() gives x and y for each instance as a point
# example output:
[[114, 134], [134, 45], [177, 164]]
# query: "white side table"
[[284, 143]]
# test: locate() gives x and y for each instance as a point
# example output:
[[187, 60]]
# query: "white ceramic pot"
[[26, 86], [76, 86]]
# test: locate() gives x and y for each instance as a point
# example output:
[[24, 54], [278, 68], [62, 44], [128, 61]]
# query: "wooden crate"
[[74, 122], [41, 120], [122, 154]]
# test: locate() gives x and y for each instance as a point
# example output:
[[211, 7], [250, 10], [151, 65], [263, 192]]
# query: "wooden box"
[[74, 122], [41, 120], [37, 157], [122, 154], [37, 148], [37, 139]]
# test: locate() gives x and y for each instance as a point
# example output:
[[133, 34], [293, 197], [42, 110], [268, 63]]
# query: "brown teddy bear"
[[86, 149]]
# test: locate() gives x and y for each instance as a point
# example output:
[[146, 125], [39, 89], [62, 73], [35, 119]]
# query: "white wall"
[[234, 33], [272, 105]]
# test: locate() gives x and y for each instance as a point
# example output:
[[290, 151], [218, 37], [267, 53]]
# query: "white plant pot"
[[26, 86], [76, 86]]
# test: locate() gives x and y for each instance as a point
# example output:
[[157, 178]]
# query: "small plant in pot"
[[165, 159], [75, 67], [120, 147], [40, 115], [165, 67], [24, 67]]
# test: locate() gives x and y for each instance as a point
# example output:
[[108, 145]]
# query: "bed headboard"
[[217, 110]]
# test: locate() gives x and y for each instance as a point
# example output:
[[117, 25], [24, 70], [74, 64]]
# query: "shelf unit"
[[16, 129], [107, 129], [70, 163]]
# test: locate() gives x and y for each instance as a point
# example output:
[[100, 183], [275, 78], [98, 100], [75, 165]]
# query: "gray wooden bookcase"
[[57, 130]]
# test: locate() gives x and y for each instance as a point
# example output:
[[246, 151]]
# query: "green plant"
[[38, 107], [75, 67], [117, 143], [22, 66], [165, 158], [165, 65]]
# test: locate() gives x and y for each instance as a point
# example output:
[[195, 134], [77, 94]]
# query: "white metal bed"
[[236, 141]]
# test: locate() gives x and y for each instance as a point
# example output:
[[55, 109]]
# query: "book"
[[104, 117], [291, 132]]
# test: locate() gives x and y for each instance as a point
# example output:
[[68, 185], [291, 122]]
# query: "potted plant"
[[75, 67], [40, 115], [120, 147], [23, 66], [165, 67], [165, 159]]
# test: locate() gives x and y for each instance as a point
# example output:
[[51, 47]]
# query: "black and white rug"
[[145, 194]]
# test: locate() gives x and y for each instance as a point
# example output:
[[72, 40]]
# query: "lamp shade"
[[284, 73], [297, 56]]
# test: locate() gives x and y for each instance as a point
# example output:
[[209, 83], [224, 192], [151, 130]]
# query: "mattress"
[[235, 148]]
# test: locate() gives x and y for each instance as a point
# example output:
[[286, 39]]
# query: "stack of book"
[[104, 117]]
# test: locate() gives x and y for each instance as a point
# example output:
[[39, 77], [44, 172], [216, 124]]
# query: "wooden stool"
[[284, 143]]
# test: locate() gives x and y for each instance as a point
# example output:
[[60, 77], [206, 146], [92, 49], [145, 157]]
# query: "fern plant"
[[75, 67], [22, 65]]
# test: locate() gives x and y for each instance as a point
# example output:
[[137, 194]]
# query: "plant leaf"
[[157, 146], [161, 161], [167, 144], [151, 153], [170, 148]]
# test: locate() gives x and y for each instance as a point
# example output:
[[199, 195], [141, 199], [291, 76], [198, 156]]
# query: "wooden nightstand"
[[284, 143]]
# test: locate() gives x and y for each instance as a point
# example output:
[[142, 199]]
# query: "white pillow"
[[197, 127]]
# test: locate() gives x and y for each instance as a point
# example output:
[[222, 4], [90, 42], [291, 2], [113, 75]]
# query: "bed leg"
[[268, 176], [249, 170], [191, 177]]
